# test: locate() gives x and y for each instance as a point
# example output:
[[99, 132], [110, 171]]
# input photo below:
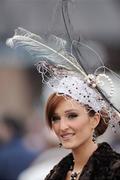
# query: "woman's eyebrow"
[[71, 110], [55, 114], [66, 111]]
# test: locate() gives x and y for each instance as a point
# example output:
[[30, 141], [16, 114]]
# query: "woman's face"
[[72, 124]]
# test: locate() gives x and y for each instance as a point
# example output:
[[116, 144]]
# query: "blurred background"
[[28, 150]]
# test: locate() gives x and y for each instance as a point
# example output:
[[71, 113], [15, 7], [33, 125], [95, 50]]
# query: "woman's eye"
[[72, 116], [55, 118]]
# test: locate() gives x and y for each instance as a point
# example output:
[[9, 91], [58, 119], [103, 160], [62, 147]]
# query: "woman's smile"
[[66, 136]]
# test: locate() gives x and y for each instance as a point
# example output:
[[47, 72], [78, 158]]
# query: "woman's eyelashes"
[[68, 116], [55, 118], [72, 115]]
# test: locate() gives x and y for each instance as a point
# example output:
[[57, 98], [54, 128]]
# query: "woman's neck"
[[82, 154]]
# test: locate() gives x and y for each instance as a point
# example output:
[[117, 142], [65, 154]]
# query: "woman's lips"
[[67, 136]]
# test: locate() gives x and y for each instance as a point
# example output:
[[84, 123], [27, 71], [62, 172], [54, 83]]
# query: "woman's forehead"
[[68, 105]]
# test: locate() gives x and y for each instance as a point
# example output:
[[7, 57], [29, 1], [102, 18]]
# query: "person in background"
[[21, 121], [15, 156]]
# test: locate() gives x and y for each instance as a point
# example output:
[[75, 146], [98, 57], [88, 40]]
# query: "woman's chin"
[[71, 145], [68, 145]]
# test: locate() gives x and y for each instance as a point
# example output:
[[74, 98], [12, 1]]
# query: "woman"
[[75, 125], [78, 110]]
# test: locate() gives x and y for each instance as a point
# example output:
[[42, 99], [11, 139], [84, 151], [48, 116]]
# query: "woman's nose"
[[63, 124]]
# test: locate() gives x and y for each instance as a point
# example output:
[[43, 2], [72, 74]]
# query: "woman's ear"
[[94, 121]]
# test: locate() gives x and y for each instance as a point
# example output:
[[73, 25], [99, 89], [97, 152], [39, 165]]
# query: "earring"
[[94, 137], [60, 145]]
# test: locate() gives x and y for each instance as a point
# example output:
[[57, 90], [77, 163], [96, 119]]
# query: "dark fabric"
[[104, 164]]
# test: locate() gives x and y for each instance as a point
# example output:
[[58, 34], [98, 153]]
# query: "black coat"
[[104, 164]]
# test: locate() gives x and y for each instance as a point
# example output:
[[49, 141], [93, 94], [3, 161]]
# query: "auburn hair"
[[54, 100]]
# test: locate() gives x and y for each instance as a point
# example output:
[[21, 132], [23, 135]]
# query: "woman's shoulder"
[[106, 153], [105, 149], [115, 163], [108, 160]]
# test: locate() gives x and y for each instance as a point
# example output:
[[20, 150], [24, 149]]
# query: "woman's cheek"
[[55, 129], [81, 125]]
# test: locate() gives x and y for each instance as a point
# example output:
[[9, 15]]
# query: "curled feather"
[[53, 51]]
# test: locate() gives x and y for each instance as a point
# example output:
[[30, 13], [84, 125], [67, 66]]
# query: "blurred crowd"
[[28, 150]]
